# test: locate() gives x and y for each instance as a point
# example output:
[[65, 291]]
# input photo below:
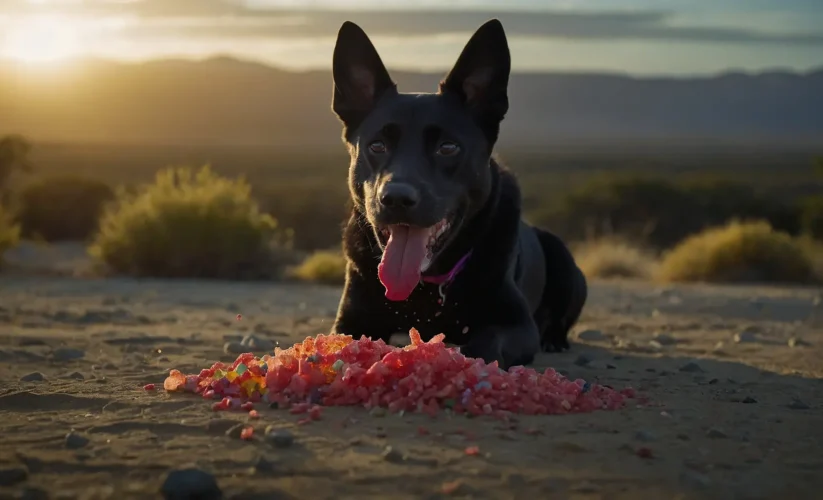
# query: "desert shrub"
[[739, 252], [656, 212], [613, 258], [9, 233], [323, 266], [62, 207], [190, 225]]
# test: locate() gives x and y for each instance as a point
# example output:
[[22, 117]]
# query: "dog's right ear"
[[360, 78]]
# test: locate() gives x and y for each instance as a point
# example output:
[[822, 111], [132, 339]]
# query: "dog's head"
[[419, 162]]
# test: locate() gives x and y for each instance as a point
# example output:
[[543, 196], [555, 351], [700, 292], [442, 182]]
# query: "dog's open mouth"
[[408, 252]]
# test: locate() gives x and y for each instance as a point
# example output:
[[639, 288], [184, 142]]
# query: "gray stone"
[[188, 483], [592, 336], [582, 360], [798, 405], [695, 480], [256, 343], [716, 434], [76, 441], [11, 475], [393, 455], [744, 337], [68, 354], [664, 339], [33, 377], [644, 436], [279, 438], [235, 431], [691, 367], [235, 348]]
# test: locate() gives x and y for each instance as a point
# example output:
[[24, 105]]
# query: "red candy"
[[247, 433], [148, 387], [427, 377]]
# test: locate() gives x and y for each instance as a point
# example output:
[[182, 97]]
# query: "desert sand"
[[734, 378]]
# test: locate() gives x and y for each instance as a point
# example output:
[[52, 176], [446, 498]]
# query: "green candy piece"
[[241, 369], [449, 403], [338, 365]]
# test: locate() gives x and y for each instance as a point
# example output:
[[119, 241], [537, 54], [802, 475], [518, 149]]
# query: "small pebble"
[[592, 335], [68, 354], [189, 483], [691, 367], [256, 343], [74, 376], [745, 336], [749, 400], [234, 348], [33, 377], [11, 475], [716, 434], [798, 405], [664, 339], [235, 431], [654, 344], [392, 455], [644, 436], [75, 441], [695, 479], [279, 438], [582, 360]]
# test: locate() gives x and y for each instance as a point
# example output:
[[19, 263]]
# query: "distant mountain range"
[[224, 101]]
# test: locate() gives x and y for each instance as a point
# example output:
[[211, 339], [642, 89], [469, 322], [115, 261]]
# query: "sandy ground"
[[735, 377]]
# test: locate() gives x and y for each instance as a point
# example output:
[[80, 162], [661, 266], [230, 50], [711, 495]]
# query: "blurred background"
[[669, 139]]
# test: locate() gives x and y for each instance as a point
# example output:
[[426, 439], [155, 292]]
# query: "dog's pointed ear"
[[480, 77], [360, 78]]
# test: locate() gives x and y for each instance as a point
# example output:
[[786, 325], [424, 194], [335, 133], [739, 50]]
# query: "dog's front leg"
[[359, 312], [508, 333]]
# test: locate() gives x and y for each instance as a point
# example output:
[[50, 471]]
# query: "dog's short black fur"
[[422, 159]]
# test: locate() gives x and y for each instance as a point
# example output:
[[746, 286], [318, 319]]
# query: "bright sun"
[[41, 39]]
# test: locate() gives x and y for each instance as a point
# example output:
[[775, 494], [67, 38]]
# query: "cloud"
[[234, 19]]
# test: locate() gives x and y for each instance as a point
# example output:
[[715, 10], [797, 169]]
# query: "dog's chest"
[[432, 310]]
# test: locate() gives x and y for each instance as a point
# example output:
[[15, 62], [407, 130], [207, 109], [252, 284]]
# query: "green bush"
[[64, 207], [191, 225], [323, 266], [739, 252], [9, 234]]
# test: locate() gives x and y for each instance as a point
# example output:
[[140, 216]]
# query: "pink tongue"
[[399, 269]]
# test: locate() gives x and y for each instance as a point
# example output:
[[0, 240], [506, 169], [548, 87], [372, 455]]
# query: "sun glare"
[[41, 39]]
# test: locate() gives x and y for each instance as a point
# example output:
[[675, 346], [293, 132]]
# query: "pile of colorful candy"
[[336, 370]]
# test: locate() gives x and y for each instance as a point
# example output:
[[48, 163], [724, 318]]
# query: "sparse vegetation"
[[191, 225], [15, 153], [63, 207], [324, 266], [9, 234], [614, 258], [739, 252]]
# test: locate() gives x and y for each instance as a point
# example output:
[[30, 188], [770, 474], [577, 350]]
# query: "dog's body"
[[435, 240]]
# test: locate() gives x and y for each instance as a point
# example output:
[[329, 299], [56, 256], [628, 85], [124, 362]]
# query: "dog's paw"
[[487, 348]]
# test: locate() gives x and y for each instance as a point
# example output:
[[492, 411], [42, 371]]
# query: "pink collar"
[[443, 279]]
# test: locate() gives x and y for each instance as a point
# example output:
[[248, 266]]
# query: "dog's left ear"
[[360, 78], [480, 77]]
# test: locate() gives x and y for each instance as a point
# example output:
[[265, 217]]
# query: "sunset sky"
[[642, 37]]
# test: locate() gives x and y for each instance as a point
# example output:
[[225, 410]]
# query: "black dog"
[[435, 239]]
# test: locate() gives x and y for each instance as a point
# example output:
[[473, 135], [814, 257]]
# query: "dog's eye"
[[377, 147], [448, 149]]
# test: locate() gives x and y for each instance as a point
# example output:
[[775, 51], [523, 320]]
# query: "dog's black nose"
[[399, 195]]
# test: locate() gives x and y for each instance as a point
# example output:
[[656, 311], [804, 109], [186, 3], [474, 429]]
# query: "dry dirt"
[[734, 376]]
